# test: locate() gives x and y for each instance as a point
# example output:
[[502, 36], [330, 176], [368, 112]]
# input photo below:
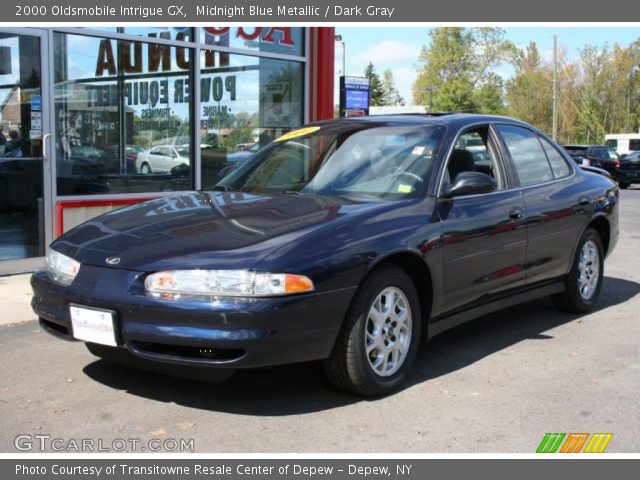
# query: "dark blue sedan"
[[345, 241]]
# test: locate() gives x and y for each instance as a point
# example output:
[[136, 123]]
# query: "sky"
[[397, 48]]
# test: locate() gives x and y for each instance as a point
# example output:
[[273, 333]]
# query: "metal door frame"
[[48, 151]]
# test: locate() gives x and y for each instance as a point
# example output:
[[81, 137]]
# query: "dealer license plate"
[[93, 325]]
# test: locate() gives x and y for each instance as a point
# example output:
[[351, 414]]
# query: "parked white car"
[[162, 159]]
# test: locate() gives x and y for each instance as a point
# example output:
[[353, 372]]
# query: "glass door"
[[25, 177]]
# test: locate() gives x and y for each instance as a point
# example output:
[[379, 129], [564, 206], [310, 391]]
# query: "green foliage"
[[237, 136], [391, 94], [598, 92], [529, 93], [376, 90], [456, 73]]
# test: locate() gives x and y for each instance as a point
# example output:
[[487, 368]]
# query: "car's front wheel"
[[380, 335], [583, 284], [145, 168]]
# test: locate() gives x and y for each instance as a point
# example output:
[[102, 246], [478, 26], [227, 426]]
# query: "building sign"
[[354, 96], [271, 35], [36, 102]]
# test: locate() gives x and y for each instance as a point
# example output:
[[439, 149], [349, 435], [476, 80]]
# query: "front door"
[[483, 236], [25, 168]]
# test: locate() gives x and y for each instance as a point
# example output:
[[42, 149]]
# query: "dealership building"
[[97, 118]]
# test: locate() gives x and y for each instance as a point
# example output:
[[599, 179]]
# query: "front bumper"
[[227, 333]]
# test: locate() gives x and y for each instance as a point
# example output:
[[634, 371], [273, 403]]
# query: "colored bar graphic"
[[574, 443], [598, 443], [550, 443]]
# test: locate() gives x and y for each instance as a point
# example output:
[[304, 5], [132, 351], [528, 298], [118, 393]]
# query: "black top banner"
[[316, 11]]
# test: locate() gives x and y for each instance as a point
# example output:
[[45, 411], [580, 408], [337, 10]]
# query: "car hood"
[[202, 230]]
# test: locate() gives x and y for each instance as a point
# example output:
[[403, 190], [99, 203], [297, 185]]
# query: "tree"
[[456, 72], [391, 94], [529, 93], [376, 91]]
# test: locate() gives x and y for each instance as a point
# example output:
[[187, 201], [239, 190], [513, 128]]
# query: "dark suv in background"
[[597, 156], [629, 171], [593, 156]]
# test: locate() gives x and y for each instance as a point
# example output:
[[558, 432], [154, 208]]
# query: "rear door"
[[155, 158], [556, 208], [484, 237]]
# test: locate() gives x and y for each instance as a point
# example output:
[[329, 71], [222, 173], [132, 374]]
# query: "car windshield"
[[343, 159]]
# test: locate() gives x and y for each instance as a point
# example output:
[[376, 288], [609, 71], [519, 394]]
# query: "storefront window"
[[169, 33], [283, 40], [123, 113], [245, 102], [21, 120]]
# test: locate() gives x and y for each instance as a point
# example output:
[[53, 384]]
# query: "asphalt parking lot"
[[497, 384]]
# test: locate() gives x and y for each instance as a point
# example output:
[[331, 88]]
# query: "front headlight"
[[224, 283], [61, 269]]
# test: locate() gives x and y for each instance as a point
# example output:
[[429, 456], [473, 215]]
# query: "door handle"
[[45, 137], [516, 213], [584, 201]]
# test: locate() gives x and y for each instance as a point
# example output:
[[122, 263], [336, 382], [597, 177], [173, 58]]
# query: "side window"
[[634, 144], [472, 152], [528, 156], [557, 161]]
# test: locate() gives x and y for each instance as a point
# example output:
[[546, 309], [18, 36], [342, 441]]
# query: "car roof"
[[443, 119]]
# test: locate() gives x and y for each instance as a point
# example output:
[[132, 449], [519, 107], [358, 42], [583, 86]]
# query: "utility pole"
[[430, 88], [554, 128], [338, 38]]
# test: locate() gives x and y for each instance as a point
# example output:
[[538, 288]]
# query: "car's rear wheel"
[[624, 185], [380, 335], [584, 282], [145, 168]]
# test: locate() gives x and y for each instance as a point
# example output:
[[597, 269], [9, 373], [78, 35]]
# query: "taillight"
[[586, 162], [617, 163]]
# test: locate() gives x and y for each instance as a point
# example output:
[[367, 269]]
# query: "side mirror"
[[469, 183]]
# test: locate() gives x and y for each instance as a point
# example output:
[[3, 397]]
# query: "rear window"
[[557, 161], [527, 154], [598, 153], [576, 151]]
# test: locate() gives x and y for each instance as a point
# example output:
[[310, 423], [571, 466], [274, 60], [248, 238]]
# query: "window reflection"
[[117, 104], [246, 102], [21, 200]]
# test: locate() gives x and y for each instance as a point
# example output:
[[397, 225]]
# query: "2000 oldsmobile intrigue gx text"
[[341, 241]]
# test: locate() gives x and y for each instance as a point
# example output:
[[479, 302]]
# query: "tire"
[[145, 168], [349, 367], [572, 300], [624, 185]]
